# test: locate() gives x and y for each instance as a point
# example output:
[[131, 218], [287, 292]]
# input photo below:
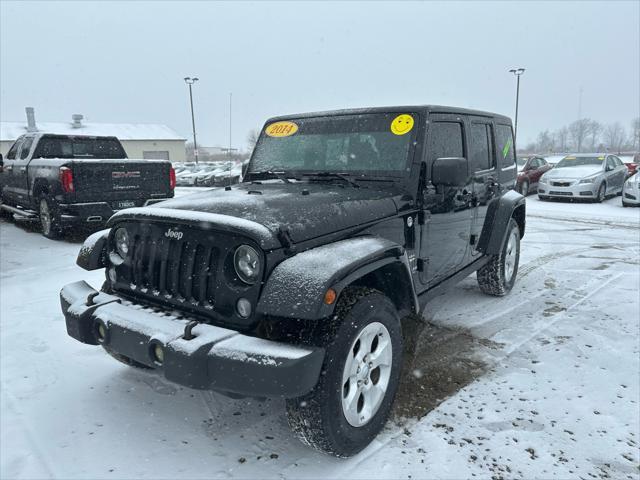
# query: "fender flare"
[[499, 212], [93, 253], [297, 285]]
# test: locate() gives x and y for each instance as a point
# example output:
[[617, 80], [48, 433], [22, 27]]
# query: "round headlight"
[[246, 262], [122, 241]]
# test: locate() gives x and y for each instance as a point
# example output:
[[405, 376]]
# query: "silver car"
[[631, 191], [586, 175]]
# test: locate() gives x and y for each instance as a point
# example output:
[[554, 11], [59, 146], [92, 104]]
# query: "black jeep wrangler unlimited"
[[304, 280]]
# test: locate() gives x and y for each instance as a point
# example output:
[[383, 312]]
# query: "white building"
[[140, 140]]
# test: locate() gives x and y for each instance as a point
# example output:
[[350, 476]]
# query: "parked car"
[[66, 181], [308, 281], [586, 175], [631, 191], [530, 169]]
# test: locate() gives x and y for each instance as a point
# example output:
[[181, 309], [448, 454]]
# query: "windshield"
[[79, 147], [358, 144], [572, 161], [522, 161]]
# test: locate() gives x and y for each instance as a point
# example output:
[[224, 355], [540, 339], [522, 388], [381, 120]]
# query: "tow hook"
[[188, 335]]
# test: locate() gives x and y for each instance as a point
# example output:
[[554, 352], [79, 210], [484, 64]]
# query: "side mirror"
[[450, 172]]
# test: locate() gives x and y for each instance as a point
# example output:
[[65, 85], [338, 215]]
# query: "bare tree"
[[614, 136], [635, 134], [578, 131], [545, 142], [252, 138], [562, 138], [595, 128]]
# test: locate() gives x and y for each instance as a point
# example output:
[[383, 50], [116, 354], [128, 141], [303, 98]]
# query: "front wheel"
[[49, 218], [602, 193], [498, 276], [363, 362]]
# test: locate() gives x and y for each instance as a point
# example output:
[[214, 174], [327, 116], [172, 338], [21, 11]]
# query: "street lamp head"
[[517, 71], [190, 80]]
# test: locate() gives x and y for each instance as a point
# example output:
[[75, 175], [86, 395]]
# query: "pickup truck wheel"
[[126, 360], [49, 218], [4, 213], [352, 400], [498, 276]]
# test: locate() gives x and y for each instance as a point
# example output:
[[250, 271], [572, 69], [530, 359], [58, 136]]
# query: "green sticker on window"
[[505, 149]]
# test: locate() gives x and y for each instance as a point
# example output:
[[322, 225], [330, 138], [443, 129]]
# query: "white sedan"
[[631, 191], [589, 175]]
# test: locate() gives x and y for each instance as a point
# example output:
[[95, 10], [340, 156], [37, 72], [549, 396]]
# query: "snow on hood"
[[573, 172], [306, 210]]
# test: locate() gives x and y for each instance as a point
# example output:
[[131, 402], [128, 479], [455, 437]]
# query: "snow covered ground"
[[542, 383]]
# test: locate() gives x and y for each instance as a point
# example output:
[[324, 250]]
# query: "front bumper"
[[631, 194], [215, 359], [573, 190]]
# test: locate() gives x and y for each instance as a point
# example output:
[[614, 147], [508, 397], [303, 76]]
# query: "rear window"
[[79, 147]]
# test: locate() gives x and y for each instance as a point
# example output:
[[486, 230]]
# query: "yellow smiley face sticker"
[[402, 124]]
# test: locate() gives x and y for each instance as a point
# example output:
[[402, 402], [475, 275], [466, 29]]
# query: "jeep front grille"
[[181, 270]]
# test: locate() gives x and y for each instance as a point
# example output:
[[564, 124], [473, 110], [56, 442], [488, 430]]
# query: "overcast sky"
[[125, 61]]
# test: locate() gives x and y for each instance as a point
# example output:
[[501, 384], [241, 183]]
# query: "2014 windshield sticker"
[[402, 124], [281, 129]]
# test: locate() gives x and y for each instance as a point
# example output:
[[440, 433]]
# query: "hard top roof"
[[396, 109]]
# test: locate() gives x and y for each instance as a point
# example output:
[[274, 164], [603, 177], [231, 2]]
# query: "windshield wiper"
[[341, 176], [280, 175]]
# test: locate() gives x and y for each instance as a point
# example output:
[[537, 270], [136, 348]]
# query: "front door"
[[483, 170], [444, 238]]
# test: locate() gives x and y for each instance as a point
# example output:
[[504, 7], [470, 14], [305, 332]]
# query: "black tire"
[[49, 215], [318, 417], [542, 198], [496, 278], [126, 360], [6, 215], [524, 188], [602, 193]]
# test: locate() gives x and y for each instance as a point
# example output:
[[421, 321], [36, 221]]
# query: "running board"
[[18, 211]]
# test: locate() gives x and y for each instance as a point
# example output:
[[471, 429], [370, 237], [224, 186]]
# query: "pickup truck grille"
[[181, 270]]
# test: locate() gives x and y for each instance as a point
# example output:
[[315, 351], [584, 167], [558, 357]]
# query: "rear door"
[[483, 170], [20, 176], [444, 238]]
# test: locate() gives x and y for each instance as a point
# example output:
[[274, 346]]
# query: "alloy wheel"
[[366, 374]]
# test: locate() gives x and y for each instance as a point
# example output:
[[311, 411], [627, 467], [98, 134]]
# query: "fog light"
[[101, 332], [243, 307], [158, 354]]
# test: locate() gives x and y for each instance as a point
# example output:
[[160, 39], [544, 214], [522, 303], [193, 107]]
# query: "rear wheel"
[[49, 217], [498, 276], [352, 400], [524, 188]]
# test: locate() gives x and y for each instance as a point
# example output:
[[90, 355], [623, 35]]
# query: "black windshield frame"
[[256, 170]]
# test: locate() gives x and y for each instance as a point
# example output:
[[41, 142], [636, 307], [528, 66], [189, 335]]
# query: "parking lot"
[[543, 382]]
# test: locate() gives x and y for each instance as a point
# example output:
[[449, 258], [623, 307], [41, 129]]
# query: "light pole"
[[517, 72], [190, 81]]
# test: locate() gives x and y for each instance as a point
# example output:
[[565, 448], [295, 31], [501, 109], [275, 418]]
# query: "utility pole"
[[190, 81], [517, 72]]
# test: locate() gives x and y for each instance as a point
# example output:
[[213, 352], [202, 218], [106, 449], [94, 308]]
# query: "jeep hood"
[[305, 210]]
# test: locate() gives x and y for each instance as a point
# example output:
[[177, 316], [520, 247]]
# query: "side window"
[[480, 155], [11, 154], [617, 161], [611, 164], [505, 150], [26, 147], [445, 140]]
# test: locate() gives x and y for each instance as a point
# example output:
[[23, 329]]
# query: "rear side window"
[[505, 150], [445, 140], [481, 147]]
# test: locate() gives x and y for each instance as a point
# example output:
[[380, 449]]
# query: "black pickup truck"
[[70, 180], [308, 280]]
